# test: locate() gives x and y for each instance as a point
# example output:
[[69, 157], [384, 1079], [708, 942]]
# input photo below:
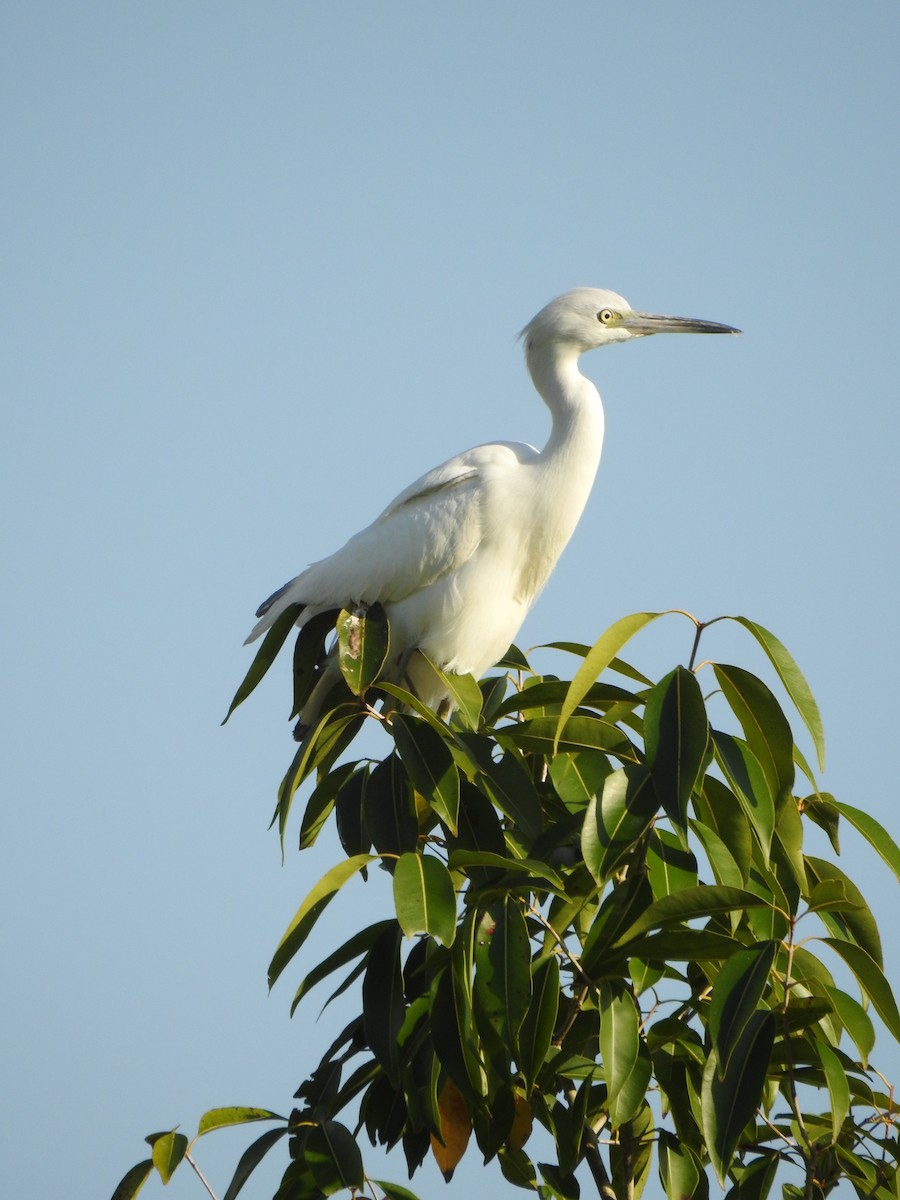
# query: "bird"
[[459, 557]]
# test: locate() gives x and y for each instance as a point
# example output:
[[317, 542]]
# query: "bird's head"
[[589, 317]]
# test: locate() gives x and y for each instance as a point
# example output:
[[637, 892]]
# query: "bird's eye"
[[606, 316]]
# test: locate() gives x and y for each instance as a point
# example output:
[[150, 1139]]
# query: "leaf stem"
[[200, 1175]]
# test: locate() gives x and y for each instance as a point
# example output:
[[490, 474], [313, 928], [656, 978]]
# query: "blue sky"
[[264, 265]]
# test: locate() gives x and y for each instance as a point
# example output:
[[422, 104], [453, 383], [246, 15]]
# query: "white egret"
[[460, 556]]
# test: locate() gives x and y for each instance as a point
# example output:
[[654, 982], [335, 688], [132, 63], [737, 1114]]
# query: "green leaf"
[[765, 726], [670, 867], [382, 1000], [743, 772], [251, 1158], [838, 1087], [311, 909], [360, 943], [616, 819], [702, 901], [855, 921], [870, 978], [855, 1020], [319, 748], [626, 1069], [393, 1191], [721, 860], [333, 1157], [676, 733], [389, 809], [321, 802], [756, 1179], [133, 1180], [265, 656], [579, 777], [464, 693], [509, 786], [363, 645], [220, 1118], [460, 860], [598, 658], [720, 810], [536, 1032], [310, 656], [168, 1151], [503, 968], [679, 1168], [737, 991], [794, 683], [430, 765], [729, 1099], [424, 898], [542, 736], [874, 833]]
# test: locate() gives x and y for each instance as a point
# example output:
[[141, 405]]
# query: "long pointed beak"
[[643, 323]]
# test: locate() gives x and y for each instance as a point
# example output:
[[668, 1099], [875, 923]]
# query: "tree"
[[607, 923]]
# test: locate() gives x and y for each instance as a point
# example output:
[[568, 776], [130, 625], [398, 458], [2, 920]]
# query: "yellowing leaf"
[[456, 1129]]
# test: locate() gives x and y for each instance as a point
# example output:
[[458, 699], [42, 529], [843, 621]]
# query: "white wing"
[[430, 531]]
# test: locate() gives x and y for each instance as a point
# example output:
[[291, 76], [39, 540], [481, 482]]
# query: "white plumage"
[[459, 557]]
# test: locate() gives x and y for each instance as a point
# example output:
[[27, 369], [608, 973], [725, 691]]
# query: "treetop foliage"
[[607, 923]]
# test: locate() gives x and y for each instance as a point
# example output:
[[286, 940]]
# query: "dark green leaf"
[[383, 1005], [743, 772], [430, 764], [363, 645], [765, 726], [579, 777], [464, 859], [349, 812], [321, 802], [133, 1180], [670, 867], [503, 968], [360, 943], [310, 656], [479, 831], [755, 1180], [265, 655], [720, 810], [311, 909], [795, 685], [631, 1155], [676, 733], [616, 819], [393, 1191], [737, 992], [168, 1151], [509, 786], [856, 922], [333, 1157], [389, 809], [251, 1159], [536, 1032], [701, 901], [424, 898], [729, 1100]]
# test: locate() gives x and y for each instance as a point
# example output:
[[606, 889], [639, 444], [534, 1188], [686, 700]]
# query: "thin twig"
[[201, 1176]]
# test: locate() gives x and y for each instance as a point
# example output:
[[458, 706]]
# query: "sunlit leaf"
[[701, 901], [424, 898], [765, 726], [168, 1151], [616, 819], [854, 921], [669, 866], [456, 1129], [311, 909], [599, 657], [626, 1064], [794, 683], [363, 645], [855, 1020], [874, 833], [838, 1088], [871, 979], [679, 1168], [221, 1118]]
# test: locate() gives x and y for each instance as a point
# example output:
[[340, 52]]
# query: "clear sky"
[[263, 265]]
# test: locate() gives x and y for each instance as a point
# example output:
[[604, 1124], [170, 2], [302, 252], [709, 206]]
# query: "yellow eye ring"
[[606, 316]]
